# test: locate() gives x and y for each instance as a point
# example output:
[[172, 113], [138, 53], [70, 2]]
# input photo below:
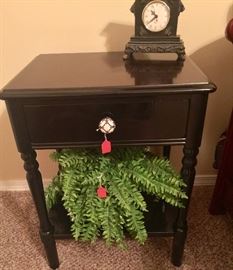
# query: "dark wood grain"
[[79, 120], [103, 73]]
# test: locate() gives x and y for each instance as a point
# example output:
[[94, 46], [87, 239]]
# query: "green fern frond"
[[125, 173]]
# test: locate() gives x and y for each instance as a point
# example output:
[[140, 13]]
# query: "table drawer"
[[140, 119]]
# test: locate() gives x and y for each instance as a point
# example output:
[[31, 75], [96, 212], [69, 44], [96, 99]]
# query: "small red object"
[[106, 147], [102, 192]]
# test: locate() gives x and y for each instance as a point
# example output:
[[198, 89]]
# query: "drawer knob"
[[107, 125]]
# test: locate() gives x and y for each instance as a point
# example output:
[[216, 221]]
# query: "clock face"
[[156, 16]]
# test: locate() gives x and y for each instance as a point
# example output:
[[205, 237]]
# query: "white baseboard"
[[205, 180], [17, 185], [21, 185]]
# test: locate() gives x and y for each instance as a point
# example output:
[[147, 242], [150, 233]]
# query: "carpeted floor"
[[209, 244]]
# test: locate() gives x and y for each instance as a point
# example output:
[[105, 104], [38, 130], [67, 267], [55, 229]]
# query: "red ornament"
[[102, 192], [106, 147]]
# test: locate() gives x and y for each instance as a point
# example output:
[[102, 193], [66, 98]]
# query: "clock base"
[[147, 45]]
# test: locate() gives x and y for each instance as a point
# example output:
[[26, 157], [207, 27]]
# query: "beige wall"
[[32, 27]]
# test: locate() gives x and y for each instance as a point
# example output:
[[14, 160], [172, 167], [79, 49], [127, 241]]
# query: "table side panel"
[[17, 118]]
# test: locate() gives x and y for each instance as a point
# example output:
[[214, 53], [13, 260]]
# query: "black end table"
[[58, 100]]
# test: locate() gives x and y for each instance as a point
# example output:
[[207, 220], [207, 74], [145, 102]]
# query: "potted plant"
[[103, 194]]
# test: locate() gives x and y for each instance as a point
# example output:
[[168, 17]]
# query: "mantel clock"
[[156, 28]]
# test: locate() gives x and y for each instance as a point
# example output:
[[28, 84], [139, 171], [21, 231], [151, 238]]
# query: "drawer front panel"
[[141, 119]]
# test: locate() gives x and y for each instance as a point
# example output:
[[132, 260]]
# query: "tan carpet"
[[209, 244]]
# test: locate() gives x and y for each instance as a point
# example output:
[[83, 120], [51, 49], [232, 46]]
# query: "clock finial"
[[132, 9], [182, 7]]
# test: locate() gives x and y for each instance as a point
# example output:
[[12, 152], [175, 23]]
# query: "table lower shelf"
[[159, 220]]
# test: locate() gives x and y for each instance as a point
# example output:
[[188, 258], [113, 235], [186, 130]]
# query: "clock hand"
[[155, 17], [153, 13]]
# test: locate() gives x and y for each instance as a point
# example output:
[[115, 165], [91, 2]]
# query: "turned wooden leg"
[[166, 151], [36, 186], [178, 245], [188, 174]]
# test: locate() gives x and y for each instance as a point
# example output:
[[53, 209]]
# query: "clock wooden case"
[[156, 28]]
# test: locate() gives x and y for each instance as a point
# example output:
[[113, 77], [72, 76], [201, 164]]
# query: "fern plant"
[[125, 174]]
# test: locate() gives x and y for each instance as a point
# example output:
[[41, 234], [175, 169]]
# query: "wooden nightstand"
[[58, 100]]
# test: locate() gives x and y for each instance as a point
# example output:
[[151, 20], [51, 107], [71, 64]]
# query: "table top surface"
[[102, 73]]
